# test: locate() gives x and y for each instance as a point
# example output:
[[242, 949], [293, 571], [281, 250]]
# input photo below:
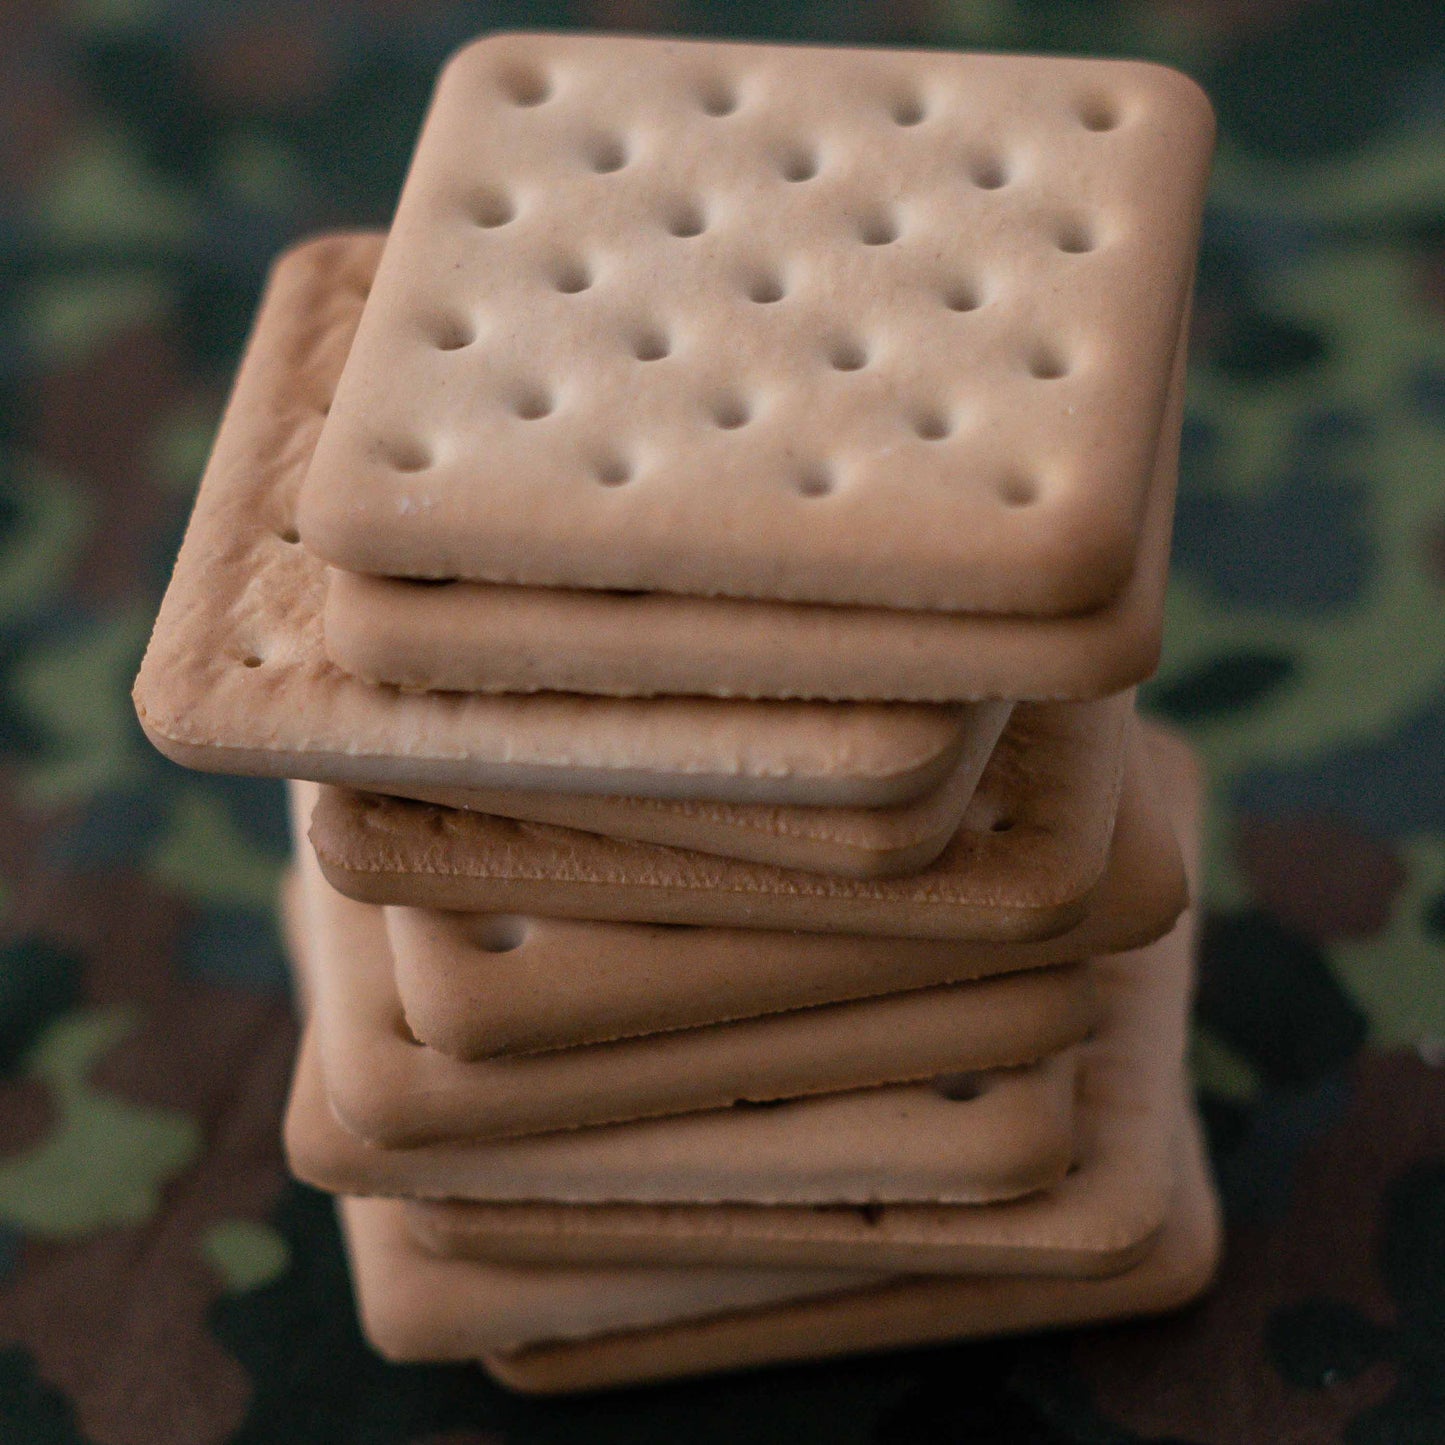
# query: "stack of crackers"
[[699, 562]]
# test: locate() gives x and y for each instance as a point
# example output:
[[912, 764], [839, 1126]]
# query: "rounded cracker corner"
[[1184, 94], [1201, 1272], [169, 738], [456, 1039], [1081, 556], [1210, 1256], [395, 1321], [1135, 660], [167, 746], [297, 1146], [502, 1370], [164, 735], [322, 250], [330, 526], [458, 65], [371, 1104]]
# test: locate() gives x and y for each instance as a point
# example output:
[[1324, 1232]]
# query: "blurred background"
[[162, 1283]]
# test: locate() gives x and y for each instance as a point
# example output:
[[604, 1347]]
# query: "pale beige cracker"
[[236, 677], [1100, 1219], [416, 1307], [901, 1314], [971, 1140], [477, 985], [853, 842], [1030, 853], [518, 639], [551, 1329], [393, 1093], [489, 638], [494, 638], [950, 288]]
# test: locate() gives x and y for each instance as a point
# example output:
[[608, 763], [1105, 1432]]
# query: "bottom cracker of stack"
[[416, 1306]]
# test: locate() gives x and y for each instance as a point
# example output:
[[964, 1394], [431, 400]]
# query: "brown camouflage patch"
[[1321, 875], [1204, 1376]]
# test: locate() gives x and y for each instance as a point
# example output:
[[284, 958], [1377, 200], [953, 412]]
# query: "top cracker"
[[849, 326]]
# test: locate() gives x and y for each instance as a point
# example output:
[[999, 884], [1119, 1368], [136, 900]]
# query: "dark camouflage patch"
[[1343, 1235], [29, 1408], [335, 1389], [1220, 685], [1323, 1342], [1271, 994], [37, 982]]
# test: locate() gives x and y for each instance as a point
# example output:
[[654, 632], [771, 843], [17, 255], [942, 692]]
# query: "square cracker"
[[1100, 1219], [476, 985], [236, 677], [488, 638], [1031, 850], [854, 842], [972, 1139], [901, 1314], [950, 285], [390, 1092], [476, 636]]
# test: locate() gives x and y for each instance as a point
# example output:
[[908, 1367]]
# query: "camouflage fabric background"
[[161, 1283]]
